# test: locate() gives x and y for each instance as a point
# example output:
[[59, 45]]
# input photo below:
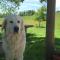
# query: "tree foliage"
[[13, 1], [9, 6], [27, 13], [16, 1], [41, 14], [43, 0]]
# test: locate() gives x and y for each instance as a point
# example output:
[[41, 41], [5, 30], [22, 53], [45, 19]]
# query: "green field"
[[35, 37], [41, 31]]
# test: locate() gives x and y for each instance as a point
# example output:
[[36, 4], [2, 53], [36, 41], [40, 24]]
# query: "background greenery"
[[35, 36]]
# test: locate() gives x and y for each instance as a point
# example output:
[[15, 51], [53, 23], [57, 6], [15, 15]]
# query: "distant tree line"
[[27, 13], [24, 13], [2, 15], [58, 11]]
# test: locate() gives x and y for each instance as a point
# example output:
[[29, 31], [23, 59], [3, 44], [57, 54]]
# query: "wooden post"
[[50, 25]]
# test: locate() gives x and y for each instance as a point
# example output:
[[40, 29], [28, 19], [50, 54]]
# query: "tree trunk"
[[50, 25], [39, 23]]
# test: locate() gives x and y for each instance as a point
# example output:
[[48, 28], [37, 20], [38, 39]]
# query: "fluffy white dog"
[[14, 39]]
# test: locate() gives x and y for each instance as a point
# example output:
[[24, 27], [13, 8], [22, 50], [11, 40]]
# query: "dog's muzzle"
[[16, 29]]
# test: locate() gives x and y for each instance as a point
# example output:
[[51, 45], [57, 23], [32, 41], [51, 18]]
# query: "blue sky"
[[35, 4], [30, 5]]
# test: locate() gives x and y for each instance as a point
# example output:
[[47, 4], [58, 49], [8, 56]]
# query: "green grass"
[[57, 25], [1, 20], [35, 46]]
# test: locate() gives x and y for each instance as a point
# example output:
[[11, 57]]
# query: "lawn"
[[57, 25], [35, 37], [36, 42]]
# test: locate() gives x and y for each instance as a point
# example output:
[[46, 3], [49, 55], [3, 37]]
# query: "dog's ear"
[[4, 25]]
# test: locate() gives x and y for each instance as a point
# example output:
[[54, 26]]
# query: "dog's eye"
[[11, 21], [18, 21]]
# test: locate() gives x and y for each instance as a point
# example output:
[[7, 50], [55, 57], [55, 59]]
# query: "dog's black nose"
[[16, 29]]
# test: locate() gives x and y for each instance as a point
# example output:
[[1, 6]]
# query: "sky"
[[30, 5], [58, 5], [35, 4]]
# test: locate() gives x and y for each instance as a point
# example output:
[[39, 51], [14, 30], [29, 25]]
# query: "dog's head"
[[13, 24]]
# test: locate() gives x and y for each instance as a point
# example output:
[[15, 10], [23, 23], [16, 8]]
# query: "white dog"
[[14, 40]]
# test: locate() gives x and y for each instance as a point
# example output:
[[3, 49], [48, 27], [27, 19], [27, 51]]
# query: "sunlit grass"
[[57, 25]]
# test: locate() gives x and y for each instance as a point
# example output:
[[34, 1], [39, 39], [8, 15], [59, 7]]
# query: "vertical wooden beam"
[[50, 25]]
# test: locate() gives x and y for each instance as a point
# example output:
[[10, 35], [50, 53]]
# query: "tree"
[[16, 1], [43, 0], [41, 14], [27, 13], [9, 6], [12, 1]]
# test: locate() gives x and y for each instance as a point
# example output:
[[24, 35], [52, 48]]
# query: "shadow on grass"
[[40, 27], [0, 36], [1, 50], [57, 41], [35, 48], [57, 44]]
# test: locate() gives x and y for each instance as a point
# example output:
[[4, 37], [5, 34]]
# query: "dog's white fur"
[[14, 43]]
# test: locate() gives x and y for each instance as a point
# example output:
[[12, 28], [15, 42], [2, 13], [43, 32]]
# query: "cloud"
[[30, 5], [57, 4], [31, 1], [35, 4]]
